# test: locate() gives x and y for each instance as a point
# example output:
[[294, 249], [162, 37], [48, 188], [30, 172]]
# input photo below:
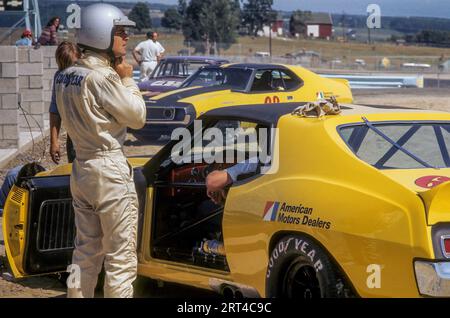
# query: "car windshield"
[[177, 68], [400, 145], [235, 78]]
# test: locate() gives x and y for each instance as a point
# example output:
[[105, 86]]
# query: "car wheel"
[[300, 268]]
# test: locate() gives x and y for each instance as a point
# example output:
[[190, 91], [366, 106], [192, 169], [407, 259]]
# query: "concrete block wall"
[[31, 70], [26, 76], [9, 86]]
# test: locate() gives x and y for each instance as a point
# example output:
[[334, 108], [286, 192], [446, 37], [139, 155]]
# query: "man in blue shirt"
[[10, 179], [26, 39]]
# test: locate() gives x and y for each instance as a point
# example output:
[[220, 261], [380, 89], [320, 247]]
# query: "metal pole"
[[270, 40], [26, 9], [37, 18], [439, 79]]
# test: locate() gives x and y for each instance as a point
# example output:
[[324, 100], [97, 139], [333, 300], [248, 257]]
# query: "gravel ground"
[[51, 286], [433, 99]]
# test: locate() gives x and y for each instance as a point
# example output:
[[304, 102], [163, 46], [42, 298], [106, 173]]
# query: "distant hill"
[[400, 24], [51, 8]]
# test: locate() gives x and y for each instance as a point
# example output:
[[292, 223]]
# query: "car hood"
[[187, 95]]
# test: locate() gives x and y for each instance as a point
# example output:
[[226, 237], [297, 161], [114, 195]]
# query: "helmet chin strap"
[[109, 51]]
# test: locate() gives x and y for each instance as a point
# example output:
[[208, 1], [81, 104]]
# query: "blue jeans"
[[10, 179]]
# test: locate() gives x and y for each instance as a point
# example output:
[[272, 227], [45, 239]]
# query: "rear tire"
[[300, 269]]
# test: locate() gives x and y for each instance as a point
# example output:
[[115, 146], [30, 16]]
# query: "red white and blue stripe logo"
[[270, 211]]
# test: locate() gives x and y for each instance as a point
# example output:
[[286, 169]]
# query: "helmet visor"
[[124, 21]]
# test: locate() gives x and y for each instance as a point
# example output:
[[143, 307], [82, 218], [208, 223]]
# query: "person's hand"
[[55, 152], [216, 182], [123, 68], [217, 197]]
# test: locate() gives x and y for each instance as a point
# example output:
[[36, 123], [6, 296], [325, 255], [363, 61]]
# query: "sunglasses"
[[122, 33]]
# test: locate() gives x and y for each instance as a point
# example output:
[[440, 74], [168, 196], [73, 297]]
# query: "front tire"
[[300, 269]]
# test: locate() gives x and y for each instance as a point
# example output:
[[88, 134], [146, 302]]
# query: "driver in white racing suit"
[[97, 100]]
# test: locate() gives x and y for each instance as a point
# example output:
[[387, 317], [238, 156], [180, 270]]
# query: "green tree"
[[172, 19], [141, 15], [256, 14], [211, 24], [297, 23]]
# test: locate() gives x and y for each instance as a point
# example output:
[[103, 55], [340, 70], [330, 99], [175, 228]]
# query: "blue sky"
[[428, 8]]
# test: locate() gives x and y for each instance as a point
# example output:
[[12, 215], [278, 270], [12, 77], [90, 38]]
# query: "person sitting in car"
[[218, 180]]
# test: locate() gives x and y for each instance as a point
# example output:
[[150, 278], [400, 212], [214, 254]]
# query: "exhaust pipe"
[[234, 290], [228, 292], [231, 292]]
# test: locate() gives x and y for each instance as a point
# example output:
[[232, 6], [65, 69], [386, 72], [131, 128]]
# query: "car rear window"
[[400, 145], [234, 78], [177, 68]]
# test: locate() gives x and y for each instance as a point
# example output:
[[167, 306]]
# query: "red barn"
[[319, 25]]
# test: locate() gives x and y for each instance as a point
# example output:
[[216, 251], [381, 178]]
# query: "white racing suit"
[[96, 106], [147, 69]]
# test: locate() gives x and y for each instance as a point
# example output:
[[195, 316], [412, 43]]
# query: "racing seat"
[[264, 83]]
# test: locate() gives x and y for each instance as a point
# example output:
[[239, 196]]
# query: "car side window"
[[208, 78], [193, 67], [263, 81], [289, 80], [275, 80], [233, 142]]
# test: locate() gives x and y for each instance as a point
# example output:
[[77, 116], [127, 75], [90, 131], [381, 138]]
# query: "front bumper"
[[162, 120], [433, 278]]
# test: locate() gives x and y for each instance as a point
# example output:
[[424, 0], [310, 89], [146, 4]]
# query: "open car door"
[[39, 223], [38, 226]]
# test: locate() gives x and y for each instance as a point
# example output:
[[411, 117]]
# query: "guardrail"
[[366, 81], [379, 81]]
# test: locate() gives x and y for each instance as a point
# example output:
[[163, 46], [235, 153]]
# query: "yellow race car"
[[349, 202], [236, 84]]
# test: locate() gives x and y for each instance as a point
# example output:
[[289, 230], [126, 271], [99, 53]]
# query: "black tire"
[[299, 268]]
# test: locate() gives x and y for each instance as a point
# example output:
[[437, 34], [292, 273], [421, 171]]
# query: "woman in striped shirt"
[[48, 36]]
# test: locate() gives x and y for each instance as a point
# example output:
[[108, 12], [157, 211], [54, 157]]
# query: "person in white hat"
[[99, 101]]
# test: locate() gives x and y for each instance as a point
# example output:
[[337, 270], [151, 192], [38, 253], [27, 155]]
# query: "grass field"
[[328, 50]]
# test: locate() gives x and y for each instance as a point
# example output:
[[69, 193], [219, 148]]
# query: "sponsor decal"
[[69, 79], [293, 243], [429, 182], [293, 214], [166, 83], [270, 211], [113, 77]]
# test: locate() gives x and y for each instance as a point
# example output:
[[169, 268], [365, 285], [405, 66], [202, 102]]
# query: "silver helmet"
[[97, 25]]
